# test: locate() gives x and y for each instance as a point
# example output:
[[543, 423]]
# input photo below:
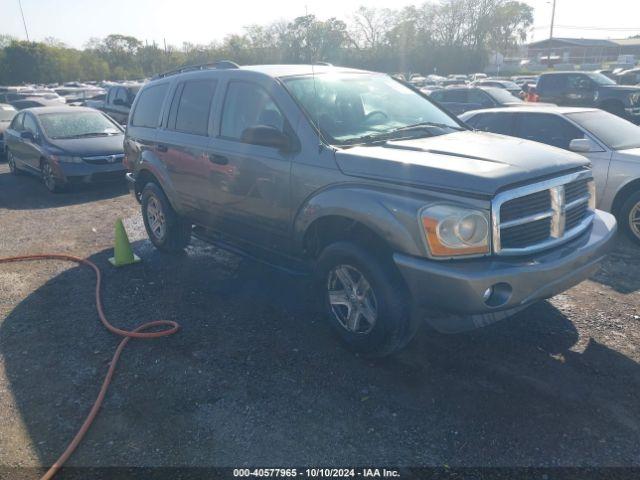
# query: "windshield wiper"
[[91, 134], [421, 127]]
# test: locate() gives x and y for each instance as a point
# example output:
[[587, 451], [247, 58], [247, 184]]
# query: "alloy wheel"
[[156, 218], [352, 299], [634, 220], [48, 177], [11, 161]]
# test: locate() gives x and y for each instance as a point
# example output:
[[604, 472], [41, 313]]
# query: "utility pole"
[[24, 21], [553, 17]]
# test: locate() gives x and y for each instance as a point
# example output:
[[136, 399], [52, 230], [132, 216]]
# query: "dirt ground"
[[254, 377]]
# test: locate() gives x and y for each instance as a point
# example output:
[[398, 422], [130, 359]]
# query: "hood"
[[472, 162], [90, 146], [622, 88], [629, 153]]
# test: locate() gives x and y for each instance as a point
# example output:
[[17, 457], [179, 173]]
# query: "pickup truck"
[[395, 209], [590, 89]]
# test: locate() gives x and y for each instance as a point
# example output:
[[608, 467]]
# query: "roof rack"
[[220, 64]]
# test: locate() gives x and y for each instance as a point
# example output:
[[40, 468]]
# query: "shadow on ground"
[[255, 378], [620, 269], [28, 192]]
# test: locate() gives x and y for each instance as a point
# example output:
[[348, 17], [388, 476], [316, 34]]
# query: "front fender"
[[393, 217]]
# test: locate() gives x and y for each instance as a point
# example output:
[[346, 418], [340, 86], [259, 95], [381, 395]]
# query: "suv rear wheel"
[[365, 300], [629, 216], [165, 228]]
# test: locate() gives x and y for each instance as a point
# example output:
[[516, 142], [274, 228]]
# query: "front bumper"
[[455, 288], [84, 172]]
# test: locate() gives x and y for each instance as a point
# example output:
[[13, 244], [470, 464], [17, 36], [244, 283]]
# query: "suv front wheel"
[[365, 300], [165, 228]]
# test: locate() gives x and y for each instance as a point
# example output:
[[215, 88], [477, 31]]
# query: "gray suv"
[[397, 210]]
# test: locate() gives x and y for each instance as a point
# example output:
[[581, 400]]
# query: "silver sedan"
[[611, 143]]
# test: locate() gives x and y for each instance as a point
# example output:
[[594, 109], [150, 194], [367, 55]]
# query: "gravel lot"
[[255, 377]]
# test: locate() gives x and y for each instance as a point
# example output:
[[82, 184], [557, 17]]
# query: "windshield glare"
[[615, 132], [74, 124], [503, 96], [348, 107], [601, 79]]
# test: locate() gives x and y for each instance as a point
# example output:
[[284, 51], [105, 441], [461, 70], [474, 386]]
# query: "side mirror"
[[580, 145], [27, 135], [266, 136]]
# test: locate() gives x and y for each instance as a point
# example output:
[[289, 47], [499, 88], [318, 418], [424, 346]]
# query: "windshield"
[[501, 95], [352, 108], [600, 79], [615, 132], [77, 124]]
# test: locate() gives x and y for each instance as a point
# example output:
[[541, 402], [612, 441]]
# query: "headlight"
[[66, 159], [455, 231]]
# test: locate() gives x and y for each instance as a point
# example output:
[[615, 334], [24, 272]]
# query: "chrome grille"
[[539, 216], [104, 159]]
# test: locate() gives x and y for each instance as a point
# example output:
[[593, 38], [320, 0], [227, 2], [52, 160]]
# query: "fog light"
[[497, 295]]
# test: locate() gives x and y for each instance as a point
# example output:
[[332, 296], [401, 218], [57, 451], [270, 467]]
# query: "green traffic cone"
[[122, 251]]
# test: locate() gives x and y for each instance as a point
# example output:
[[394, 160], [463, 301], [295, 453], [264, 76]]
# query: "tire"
[[49, 179], [393, 325], [629, 217], [165, 228], [13, 168]]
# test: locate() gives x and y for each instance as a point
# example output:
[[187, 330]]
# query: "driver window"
[[579, 82], [30, 125], [16, 124], [248, 105], [121, 94]]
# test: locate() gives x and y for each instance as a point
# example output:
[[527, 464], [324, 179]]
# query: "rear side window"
[[147, 112], [553, 83], [493, 122], [193, 106]]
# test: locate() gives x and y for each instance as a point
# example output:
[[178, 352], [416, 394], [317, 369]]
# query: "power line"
[[24, 22]]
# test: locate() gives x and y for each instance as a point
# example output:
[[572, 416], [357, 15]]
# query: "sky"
[[201, 21]]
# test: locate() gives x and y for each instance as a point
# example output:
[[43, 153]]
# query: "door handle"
[[162, 148], [219, 159]]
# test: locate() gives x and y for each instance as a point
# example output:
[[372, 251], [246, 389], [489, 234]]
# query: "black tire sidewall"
[[392, 299], [57, 187], [175, 238], [623, 216]]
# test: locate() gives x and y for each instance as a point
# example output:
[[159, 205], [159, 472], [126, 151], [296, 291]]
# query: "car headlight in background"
[[635, 99], [66, 159], [592, 194], [455, 231]]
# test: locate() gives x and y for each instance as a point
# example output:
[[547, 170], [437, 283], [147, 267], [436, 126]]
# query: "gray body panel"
[[271, 199]]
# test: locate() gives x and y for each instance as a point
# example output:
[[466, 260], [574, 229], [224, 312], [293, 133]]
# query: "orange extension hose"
[[138, 332]]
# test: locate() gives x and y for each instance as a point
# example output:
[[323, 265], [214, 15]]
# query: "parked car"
[[118, 101], [65, 146], [33, 102], [628, 77], [610, 142], [589, 89], [507, 85], [393, 205], [462, 99], [7, 112]]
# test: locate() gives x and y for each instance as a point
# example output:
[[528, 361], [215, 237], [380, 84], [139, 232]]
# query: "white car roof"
[[530, 108]]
